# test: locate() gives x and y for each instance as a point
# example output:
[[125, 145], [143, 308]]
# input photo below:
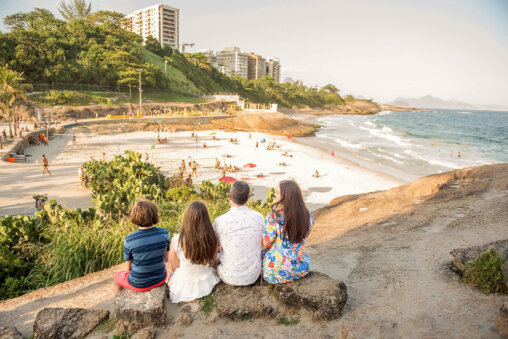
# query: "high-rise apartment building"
[[233, 59], [160, 21], [256, 67], [273, 69]]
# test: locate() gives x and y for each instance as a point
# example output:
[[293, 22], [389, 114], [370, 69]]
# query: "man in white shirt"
[[240, 233]]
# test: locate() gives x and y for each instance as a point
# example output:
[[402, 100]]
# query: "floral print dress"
[[283, 261]]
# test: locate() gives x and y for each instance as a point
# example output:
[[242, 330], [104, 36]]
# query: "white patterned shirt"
[[240, 233]]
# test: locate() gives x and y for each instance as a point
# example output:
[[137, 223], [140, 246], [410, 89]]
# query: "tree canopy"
[[75, 9]]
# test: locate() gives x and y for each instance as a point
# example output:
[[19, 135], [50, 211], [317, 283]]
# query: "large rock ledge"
[[315, 297], [63, 323], [135, 311], [316, 292]]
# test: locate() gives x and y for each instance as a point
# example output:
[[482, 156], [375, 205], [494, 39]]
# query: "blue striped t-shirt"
[[146, 249]]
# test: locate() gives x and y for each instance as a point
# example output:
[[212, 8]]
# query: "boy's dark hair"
[[144, 214], [240, 192]]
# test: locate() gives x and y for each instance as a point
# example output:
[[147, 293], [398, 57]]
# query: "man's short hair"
[[240, 192]]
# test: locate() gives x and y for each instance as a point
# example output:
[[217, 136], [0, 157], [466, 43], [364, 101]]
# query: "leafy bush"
[[485, 273]]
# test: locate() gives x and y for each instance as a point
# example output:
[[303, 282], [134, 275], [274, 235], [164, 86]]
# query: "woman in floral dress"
[[286, 228]]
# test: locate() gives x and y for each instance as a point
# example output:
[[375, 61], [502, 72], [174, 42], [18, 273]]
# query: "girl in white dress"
[[192, 254]]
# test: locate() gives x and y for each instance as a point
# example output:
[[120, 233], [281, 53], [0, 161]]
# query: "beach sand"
[[337, 176]]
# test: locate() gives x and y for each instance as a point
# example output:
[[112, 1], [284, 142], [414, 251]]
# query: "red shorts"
[[121, 278]]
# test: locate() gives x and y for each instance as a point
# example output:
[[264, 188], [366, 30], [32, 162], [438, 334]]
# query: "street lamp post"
[[140, 90], [165, 65]]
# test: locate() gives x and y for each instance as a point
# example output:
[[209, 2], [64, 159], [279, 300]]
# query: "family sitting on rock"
[[237, 248]]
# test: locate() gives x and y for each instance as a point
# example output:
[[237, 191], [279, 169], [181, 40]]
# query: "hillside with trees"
[[92, 48]]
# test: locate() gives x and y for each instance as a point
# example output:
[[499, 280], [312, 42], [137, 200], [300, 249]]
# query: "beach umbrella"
[[333, 153], [250, 164], [228, 180]]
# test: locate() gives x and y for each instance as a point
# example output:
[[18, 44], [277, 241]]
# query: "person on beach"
[[257, 145], [458, 155], [180, 172], [147, 157], [451, 154], [81, 173], [286, 228], [204, 145], [188, 181], [223, 172], [45, 165], [74, 140], [193, 253], [240, 232], [194, 168], [104, 156], [217, 163], [183, 166], [4, 134], [316, 174], [146, 251]]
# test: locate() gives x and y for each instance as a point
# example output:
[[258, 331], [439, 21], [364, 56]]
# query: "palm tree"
[[75, 9], [10, 90]]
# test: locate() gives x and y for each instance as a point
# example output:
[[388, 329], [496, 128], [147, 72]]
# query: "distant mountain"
[[429, 101]]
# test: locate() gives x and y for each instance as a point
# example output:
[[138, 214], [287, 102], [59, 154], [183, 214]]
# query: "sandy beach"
[[337, 176]]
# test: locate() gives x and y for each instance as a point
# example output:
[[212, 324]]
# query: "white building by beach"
[[160, 21], [234, 60], [273, 69]]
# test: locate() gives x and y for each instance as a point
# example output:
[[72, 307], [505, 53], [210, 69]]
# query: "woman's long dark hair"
[[197, 237], [296, 215]]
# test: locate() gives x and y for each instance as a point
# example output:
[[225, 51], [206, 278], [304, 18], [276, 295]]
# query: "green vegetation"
[[106, 326], [93, 48], [288, 321], [485, 273], [207, 304], [69, 98], [58, 244], [10, 90]]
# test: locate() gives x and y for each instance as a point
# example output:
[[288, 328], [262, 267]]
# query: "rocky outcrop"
[[134, 311], [462, 256], [10, 333], [245, 302], [67, 323], [271, 123], [323, 296]]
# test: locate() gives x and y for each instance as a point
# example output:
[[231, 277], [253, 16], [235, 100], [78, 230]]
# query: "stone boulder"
[[462, 256], [502, 320], [64, 323], [137, 310], [323, 296], [10, 333], [245, 302]]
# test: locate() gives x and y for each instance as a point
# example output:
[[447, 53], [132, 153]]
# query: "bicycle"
[[40, 201]]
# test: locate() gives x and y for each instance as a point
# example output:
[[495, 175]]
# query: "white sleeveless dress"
[[189, 282]]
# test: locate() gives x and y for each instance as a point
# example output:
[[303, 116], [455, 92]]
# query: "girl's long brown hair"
[[197, 237], [296, 215]]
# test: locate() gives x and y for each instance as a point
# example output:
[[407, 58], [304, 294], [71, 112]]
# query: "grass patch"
[[106, 326], [486, 274], [207, 304], [287, 321], [121, 336]]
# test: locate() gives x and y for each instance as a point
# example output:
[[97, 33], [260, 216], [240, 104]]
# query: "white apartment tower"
[[234, 61], [160, 21], [273, 69]]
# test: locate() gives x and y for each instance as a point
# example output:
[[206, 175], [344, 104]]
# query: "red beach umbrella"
[[250, 164], [228, 180]]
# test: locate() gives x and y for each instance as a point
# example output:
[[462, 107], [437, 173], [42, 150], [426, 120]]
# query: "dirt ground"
[[391, 248]]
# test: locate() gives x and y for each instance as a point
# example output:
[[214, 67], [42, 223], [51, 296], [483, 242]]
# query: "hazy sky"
[[379, 49]]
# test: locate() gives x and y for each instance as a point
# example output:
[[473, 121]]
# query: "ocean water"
[[420, 143]]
